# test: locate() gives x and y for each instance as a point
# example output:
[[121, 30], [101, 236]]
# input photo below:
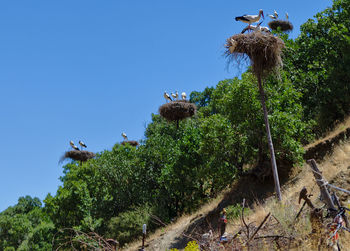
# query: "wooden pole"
[[269, 140], [321, 183]]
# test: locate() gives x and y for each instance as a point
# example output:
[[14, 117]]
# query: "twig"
[[301, 209], [261, 224], [245, 224], [274, 236]]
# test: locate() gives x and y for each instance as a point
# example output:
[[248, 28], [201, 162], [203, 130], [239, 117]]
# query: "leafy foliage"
[[174, 170]]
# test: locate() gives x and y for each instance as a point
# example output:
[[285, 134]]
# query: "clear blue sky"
[[88, 70]]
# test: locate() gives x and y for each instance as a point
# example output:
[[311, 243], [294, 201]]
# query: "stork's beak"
[[263, 15]]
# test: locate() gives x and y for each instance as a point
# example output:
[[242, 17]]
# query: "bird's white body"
[[175, 95], [73, 146], [184, 96], [272, 17], [124, 136], [249, 19], [167, 97], [82, 144], [256, 28]]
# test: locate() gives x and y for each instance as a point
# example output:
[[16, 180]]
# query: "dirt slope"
[[332, 154]]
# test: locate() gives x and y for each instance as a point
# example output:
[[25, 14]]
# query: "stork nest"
[[78, 155], [283, 25], [177, 110], [263, 49], [130, 142]]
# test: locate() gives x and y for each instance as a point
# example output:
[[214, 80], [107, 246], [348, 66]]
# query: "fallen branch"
[[274, 236], [261, 224]]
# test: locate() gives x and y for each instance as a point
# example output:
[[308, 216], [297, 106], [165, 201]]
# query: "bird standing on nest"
[[73, 146], [255, 28], [175, 95], [183, 95], [287, 16], [272, 17], [275, 13], [249, 19], [167, 97], [124, 136], [82, 144]]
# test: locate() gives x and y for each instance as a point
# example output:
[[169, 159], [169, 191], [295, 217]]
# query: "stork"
[[272, 17], [175, 95], [256, 28], [287, 16], [124, 136], [167, 97], [249, 19], [183, 95], [74, 146], [82, 144], [275, 13]]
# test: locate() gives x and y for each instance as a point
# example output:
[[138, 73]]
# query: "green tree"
[[319, 65]]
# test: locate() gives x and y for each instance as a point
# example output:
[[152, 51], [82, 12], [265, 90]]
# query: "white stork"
[[167, 97], [74, 146], [275, 13], [256, 28], [287, 16], [249, 19], [272, 17], [82, 144], [183, 95], [124, 136], [175, 95]]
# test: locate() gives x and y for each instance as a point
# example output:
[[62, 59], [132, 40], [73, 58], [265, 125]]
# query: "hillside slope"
[[333, 156]]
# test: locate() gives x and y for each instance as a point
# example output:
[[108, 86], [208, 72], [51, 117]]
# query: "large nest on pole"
[[263, 49], [78, 155], [130, 142], [282, 24], [177, 110]]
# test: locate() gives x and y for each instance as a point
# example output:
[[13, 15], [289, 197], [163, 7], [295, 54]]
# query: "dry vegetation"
[[78, 155], [130, 142], [263, 49], [281, 231], [177, 110], [283, 25]]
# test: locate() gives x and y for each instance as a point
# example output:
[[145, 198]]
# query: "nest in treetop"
[[263, 49], [282, 24], [78, 155], [130, 142], [177, 110]]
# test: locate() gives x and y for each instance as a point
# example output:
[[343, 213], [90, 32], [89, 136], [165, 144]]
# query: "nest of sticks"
[[78, 155], [263, 49], [130, 142], [177, 110], [283, 25]]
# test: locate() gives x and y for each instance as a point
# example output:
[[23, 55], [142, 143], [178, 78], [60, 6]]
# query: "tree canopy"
[[174, 170]]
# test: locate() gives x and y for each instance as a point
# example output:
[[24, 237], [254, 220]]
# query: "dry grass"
[[341, 127], [283, 25], [263, 50], [332, 166], [177, 110], [78, 155], [161, 238]]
